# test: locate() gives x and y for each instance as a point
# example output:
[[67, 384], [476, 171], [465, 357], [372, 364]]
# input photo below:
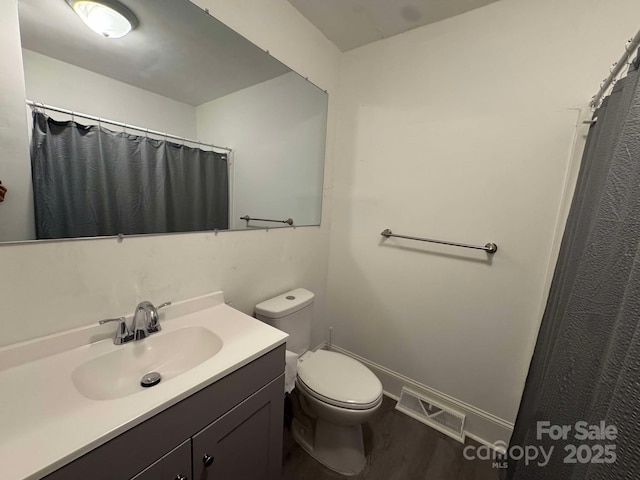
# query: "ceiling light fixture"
[[108, 18]]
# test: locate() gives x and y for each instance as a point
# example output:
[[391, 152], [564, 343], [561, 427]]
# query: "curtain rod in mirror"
[[165, 135]]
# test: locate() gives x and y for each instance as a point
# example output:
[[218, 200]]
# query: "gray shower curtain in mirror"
[[90, 181], [586, 365]]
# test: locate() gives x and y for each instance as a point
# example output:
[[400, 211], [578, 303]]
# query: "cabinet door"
[[175, 465], [246, 442]]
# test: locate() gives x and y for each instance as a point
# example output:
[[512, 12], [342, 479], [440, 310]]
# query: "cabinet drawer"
[[173, 466]]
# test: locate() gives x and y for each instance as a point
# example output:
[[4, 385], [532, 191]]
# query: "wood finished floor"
[[397, 448]]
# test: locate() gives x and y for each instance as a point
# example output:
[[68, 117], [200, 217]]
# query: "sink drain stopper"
[[150, 379]]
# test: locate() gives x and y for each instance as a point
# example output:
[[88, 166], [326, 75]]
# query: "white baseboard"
[[481, 426]]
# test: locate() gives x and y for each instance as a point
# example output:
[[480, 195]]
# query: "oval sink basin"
[[118, 373]]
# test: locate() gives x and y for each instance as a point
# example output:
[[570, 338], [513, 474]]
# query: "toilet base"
[[338, 447]]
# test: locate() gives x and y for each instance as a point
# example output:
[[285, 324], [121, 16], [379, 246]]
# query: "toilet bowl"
[[337, 392], [340, 394]]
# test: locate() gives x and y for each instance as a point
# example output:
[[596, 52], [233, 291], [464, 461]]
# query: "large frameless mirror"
[[181, 125]]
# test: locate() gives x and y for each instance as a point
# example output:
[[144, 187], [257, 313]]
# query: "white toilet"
[[339, 392]]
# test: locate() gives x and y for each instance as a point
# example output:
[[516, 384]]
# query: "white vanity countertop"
[[46, 423]]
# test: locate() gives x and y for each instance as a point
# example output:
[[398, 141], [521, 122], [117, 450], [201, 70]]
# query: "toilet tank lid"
[[285, 304]]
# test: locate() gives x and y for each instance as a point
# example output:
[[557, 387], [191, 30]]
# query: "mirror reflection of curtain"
[[90, 181]]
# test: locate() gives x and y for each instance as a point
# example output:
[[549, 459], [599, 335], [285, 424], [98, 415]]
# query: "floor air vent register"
[[431, 413]]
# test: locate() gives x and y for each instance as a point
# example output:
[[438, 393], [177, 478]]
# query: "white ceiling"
[[177, 51], [353, 23]]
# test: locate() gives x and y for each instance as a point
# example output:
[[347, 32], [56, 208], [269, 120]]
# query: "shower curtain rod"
[[123, 125], [617, 67]]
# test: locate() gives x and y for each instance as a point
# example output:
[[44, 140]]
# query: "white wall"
[[277, 130], [16, 212], [61, 84], [461, 130], [48, 287]]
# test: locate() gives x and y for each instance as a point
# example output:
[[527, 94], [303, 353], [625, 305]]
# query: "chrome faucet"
[[145, 322]]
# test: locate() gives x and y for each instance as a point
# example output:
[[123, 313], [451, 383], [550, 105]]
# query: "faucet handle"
[[123, 334], [154, 320], [109, 320]]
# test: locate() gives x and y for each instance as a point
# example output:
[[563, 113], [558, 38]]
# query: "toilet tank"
[[291, 312]]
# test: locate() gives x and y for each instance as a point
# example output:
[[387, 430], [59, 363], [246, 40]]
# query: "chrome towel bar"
[[489, 247], [288, 221]]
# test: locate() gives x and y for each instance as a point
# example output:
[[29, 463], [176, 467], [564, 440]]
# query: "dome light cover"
[[108, 18]]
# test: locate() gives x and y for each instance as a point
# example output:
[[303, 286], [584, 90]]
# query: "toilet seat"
[[330, 401], [339, 380]]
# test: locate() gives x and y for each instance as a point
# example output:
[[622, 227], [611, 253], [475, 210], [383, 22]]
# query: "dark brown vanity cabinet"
[[231, 429]]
